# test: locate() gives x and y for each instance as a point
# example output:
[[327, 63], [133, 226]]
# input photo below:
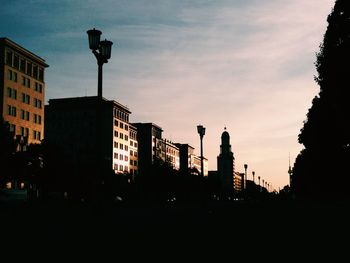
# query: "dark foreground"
[[257, 227]]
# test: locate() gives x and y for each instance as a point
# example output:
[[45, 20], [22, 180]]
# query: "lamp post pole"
[[102, 51], [201, 132], [253, 177], [245, 176]]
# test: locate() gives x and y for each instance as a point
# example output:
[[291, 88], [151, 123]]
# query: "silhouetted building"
[[22, 91], [238, 182], [133, 150], [189, 161], [71, 125], [226, 166], [149, 137], [171, 154]]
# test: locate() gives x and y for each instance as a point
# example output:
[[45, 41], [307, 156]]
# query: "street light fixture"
[[253, 177], [201, 132], [245, 176], [102, 51]]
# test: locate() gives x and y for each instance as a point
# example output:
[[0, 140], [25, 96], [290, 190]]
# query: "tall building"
[[149, 137], [226, 167], [171, 154], [71, 125], [22, 91], [133, 150]]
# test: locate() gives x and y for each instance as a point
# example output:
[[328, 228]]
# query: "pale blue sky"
[[244, 64]]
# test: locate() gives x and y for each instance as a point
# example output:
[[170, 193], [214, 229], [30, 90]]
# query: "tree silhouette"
[[7, 150], [321, 169]]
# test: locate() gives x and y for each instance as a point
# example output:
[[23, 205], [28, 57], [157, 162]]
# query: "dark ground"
[[264, 227]]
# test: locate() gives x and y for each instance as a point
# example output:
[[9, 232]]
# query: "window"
[[135, 154], [126, 127], [131, 143], [13, 128], [22, 114], [16, 62], [29, 68], [120, 167], [115, 123], [115, 156], [27, 99], [126, 148], [131, 153], [22, 66], [9, 74], [121, 125], [27, 115], [121, 136], [39, 136], [115, 133], [28, 82], [121, 146], [22, 131], [35, 71], [115, 145], [11, 93], [9, 58], [39, 120], [121, 157], [11, 110], [26, 132], [126, 158], [126, 137], [41, 74], [23, 80], [34, 135], [135, 162], [131, 162], [135, 144]]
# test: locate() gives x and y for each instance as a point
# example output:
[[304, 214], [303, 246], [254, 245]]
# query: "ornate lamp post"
[[102, 51], [245, 176], [201, 132], [259, 183], [253, 177]]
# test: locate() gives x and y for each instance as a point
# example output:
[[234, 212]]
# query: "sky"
[[247, 65]]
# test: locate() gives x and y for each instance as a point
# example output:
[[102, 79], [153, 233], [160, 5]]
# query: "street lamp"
[[253, 176], [245, 175], [259, 183], [102, 51], [201, 132]]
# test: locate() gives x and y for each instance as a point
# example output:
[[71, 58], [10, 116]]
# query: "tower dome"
[[225, 142]]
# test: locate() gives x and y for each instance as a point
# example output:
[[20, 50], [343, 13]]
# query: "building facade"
[[189, 161], [133, 150], [171, 154], [22, 91], [71, 124], [226, 167]]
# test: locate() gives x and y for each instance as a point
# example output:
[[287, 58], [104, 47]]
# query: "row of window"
[[121, 146], [133, 153], [121, 135], [121, 115], [121, 157], [121, 168], [12, 75], [12, 93], [133, 135], [25, 132], [133, 144], [121, 125], [133, 162], [24, 65], [25, 115]]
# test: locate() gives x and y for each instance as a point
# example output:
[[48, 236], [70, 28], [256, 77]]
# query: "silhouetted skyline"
[[247, 65]]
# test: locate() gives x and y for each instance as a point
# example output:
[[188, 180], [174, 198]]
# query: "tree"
[[321, 169]]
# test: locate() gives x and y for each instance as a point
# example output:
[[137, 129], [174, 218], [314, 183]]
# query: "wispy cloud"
[[247, 65]]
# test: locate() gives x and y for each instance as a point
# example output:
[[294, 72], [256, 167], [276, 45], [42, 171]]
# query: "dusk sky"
[[244, 64]]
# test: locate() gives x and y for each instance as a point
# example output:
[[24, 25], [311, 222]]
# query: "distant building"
[[238, 182], [149, 137], [189, 161], [71, 124], [171, 154], [22, 91], [133, 150], [226, 166]]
